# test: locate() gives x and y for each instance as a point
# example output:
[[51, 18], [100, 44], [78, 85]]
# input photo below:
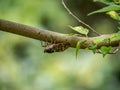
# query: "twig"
[[79, 19], [116, 50], [112, 52]]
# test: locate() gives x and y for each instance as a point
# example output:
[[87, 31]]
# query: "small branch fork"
[[88, 26], [80, 21], [116, 50]]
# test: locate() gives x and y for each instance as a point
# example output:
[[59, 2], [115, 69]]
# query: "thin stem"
[[79, 19]]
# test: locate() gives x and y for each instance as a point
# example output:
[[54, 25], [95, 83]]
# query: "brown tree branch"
[[45, 35]]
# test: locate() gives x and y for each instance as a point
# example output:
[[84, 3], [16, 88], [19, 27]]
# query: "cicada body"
[[59, 47]]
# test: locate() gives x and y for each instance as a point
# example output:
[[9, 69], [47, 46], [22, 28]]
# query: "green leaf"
[[113, 15], [107, 2], [105, 50], [118, 29], [80, 30], [116, 1], [92, 47], [105, 9], [78, 47]]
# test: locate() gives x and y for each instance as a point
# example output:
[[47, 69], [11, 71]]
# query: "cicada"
[[56, 47]]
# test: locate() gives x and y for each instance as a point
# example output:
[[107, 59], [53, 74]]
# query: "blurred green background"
[[24, 65]]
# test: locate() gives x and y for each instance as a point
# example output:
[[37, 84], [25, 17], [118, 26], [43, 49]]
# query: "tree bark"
[[46, 35]]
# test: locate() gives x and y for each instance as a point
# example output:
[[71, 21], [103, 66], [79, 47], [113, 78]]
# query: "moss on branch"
[[46, 35]]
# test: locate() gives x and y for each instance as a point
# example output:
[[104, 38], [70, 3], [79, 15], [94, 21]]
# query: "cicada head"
[[49, 49]]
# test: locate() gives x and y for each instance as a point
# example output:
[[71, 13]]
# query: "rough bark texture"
[[45, 35]]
